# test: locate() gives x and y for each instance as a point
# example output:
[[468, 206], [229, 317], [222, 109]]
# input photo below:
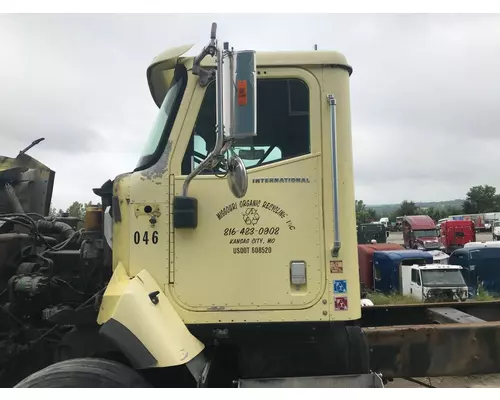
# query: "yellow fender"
[[138, 318]]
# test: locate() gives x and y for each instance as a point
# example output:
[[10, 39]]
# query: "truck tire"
[[85, 373]]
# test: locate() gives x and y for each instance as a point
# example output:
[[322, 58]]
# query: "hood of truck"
[[428, 242], [425, 239], [32, 182]]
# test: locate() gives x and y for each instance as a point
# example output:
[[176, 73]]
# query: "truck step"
[[371, 380]]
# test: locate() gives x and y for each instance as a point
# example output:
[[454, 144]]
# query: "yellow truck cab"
[[234, 238]]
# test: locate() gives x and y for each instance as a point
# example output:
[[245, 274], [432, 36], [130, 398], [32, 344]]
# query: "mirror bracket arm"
[[213, 50]]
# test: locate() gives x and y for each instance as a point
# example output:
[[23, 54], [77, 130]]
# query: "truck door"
[[451, 239], [459, 236], [416, 284], [241, 253]]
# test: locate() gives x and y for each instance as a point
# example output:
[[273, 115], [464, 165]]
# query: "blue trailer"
[[387, 267], [480, 264]]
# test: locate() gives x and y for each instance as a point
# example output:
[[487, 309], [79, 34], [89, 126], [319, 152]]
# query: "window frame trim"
[[168, 128], [315, 142]]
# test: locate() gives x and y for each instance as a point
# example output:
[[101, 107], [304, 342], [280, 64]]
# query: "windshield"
[[427, 233], [372, 227], [162, 126], [495, 224], [442, 277]]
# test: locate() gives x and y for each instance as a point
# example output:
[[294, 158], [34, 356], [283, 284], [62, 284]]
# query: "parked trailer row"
[[384, 268], [483, 222], [412, 273]]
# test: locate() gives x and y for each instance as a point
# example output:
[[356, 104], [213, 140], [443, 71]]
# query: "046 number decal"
[[146, 237]]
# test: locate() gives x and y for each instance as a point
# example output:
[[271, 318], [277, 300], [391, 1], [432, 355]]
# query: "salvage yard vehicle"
[[495, 230], [385, 221], [419, 232], [177, 281], [399, 224], [454, 234], [365, 260], [433, 283], [388, 264], [414, 273], [372, 231], [481, 267]]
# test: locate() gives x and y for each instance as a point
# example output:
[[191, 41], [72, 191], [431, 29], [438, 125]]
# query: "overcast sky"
[[425, 92]]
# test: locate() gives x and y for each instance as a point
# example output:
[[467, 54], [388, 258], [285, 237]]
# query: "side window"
[[282, 126], [419, 282], [414, 275], [378, 274]]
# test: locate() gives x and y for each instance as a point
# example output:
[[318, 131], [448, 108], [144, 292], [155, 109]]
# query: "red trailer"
[[454, 234], [365, 255]]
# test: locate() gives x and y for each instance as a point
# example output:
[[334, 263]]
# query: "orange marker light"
[[242, 93]]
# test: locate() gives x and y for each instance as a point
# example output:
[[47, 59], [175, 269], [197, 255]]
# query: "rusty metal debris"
[[451, 340]]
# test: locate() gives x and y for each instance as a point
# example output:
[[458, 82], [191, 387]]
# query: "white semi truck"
[[433, 282]]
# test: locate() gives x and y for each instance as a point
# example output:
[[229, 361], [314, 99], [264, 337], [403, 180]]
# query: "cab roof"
[[267, 58], [495, 251], [457, 222], [158, 79], [371, 248], [420, 222], [398, 255], [438, 266]]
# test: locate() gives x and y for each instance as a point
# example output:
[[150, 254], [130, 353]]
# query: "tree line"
[[76, 209], [479, 199]]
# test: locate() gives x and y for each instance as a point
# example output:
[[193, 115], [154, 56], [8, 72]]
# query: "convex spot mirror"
[[237, 177]]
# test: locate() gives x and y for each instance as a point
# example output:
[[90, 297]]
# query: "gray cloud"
[[425, 92]]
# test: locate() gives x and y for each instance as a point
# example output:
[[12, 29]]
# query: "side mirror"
[[387, 234], [241, 91]]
